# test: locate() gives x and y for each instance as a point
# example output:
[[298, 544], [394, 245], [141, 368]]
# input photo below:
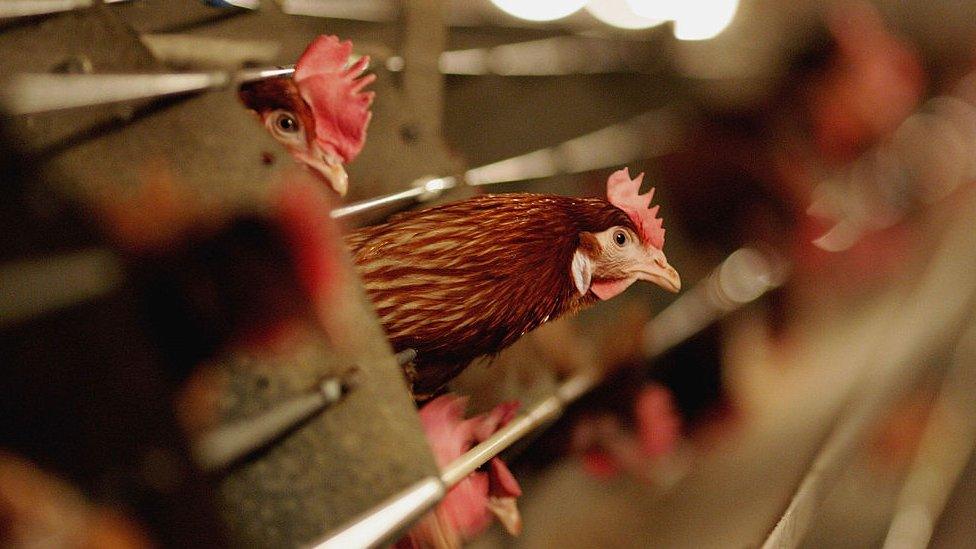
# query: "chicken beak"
[[658, 271], [329, 168], [336, 175]]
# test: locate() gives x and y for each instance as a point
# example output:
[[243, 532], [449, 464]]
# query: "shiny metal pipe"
[[250, 75], [397, 513], [542, 412], [37, 93], [626, 142], [221, 448], [36, 286], [422, 191], [741, 278], [741, 282], [945, 448], [933, 315], [647, 135], [744, 276], [217, 450]]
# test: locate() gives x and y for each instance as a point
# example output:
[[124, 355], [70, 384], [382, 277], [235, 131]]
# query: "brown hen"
[[467, 279]]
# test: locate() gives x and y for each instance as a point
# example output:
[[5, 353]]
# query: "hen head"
[[609, 261], [321, 114]]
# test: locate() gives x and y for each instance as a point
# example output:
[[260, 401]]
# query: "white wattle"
[[582, 272]]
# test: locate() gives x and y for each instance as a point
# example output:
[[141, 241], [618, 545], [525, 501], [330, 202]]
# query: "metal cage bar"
[[932, 317], [379, 524]]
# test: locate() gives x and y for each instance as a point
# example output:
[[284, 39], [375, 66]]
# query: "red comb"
[[334, 93], [622, 192]]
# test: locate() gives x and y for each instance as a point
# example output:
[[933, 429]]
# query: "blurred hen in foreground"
[[468, 279], [184, 250], [467, 509], [320, 114]]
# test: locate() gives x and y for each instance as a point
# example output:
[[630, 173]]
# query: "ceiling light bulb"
[[659, 10], [704, 19], [619, 13], [539, 10]]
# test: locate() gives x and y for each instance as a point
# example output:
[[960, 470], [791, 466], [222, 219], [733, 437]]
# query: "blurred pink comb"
[[622, 193], [334, 93]]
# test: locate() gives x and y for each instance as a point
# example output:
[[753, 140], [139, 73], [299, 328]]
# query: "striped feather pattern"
[[469, 278]]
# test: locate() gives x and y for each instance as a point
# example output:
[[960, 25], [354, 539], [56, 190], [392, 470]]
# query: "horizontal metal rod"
[[37, 286], [556, 56], [506, 60], [421, 191], [29, 93], [946, 447], [217, 450], [10, 9], [363, 531], [394, 515], [181, 49], [37, 93], [931, 317], [743, 268], [459, 15], [647, 135], [542, 412], [741, 278], [34, 93], [644, 136], [250, 75], [360, 10]]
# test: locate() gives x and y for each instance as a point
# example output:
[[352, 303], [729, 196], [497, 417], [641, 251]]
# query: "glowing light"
[[539, 10], [693, 19], [704, 19], [663, 10], [618, 13]]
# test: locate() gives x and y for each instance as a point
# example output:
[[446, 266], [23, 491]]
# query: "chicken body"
[[467, 279]]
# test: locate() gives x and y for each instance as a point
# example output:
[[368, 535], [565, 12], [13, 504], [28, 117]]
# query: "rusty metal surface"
[[352, 455]]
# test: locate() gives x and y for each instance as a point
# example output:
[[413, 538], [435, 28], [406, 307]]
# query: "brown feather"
[[469, 278]]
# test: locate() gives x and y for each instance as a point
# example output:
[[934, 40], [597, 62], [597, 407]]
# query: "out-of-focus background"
[[811, 386]]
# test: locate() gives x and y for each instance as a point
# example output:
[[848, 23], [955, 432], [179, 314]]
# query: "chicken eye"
[[285, 127], [286, 123], [620, 238]]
